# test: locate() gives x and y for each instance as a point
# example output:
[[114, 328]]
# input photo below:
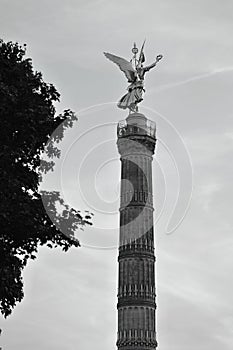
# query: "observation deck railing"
[[125, 129]]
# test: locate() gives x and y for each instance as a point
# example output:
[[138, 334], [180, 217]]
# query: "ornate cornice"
[[136, 254], [140, 301], [140, 343]]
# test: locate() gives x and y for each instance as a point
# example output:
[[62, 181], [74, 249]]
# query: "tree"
[[28, 121]]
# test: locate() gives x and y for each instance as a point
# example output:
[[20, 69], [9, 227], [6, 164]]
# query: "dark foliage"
[[27, 122]]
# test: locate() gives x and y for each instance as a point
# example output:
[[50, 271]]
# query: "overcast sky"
[[70, 298]]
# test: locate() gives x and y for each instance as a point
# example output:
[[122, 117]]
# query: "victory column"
[[136, 278]]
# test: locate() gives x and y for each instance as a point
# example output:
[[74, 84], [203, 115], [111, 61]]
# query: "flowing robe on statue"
[[133, 96]]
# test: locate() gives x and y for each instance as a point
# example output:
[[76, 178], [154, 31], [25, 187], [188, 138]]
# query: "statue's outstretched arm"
[[146, 69], [158, 58]]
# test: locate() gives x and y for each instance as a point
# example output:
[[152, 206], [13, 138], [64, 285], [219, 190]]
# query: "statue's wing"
[[124, 66]]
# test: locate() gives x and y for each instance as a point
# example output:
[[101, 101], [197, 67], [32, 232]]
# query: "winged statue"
[[135, 73]]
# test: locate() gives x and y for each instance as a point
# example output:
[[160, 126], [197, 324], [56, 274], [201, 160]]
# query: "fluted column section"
[[136, 281]]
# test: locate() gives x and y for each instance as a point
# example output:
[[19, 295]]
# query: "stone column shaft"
[[136, 281]]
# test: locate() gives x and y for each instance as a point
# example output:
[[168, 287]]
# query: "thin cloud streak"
[[190, 80]]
